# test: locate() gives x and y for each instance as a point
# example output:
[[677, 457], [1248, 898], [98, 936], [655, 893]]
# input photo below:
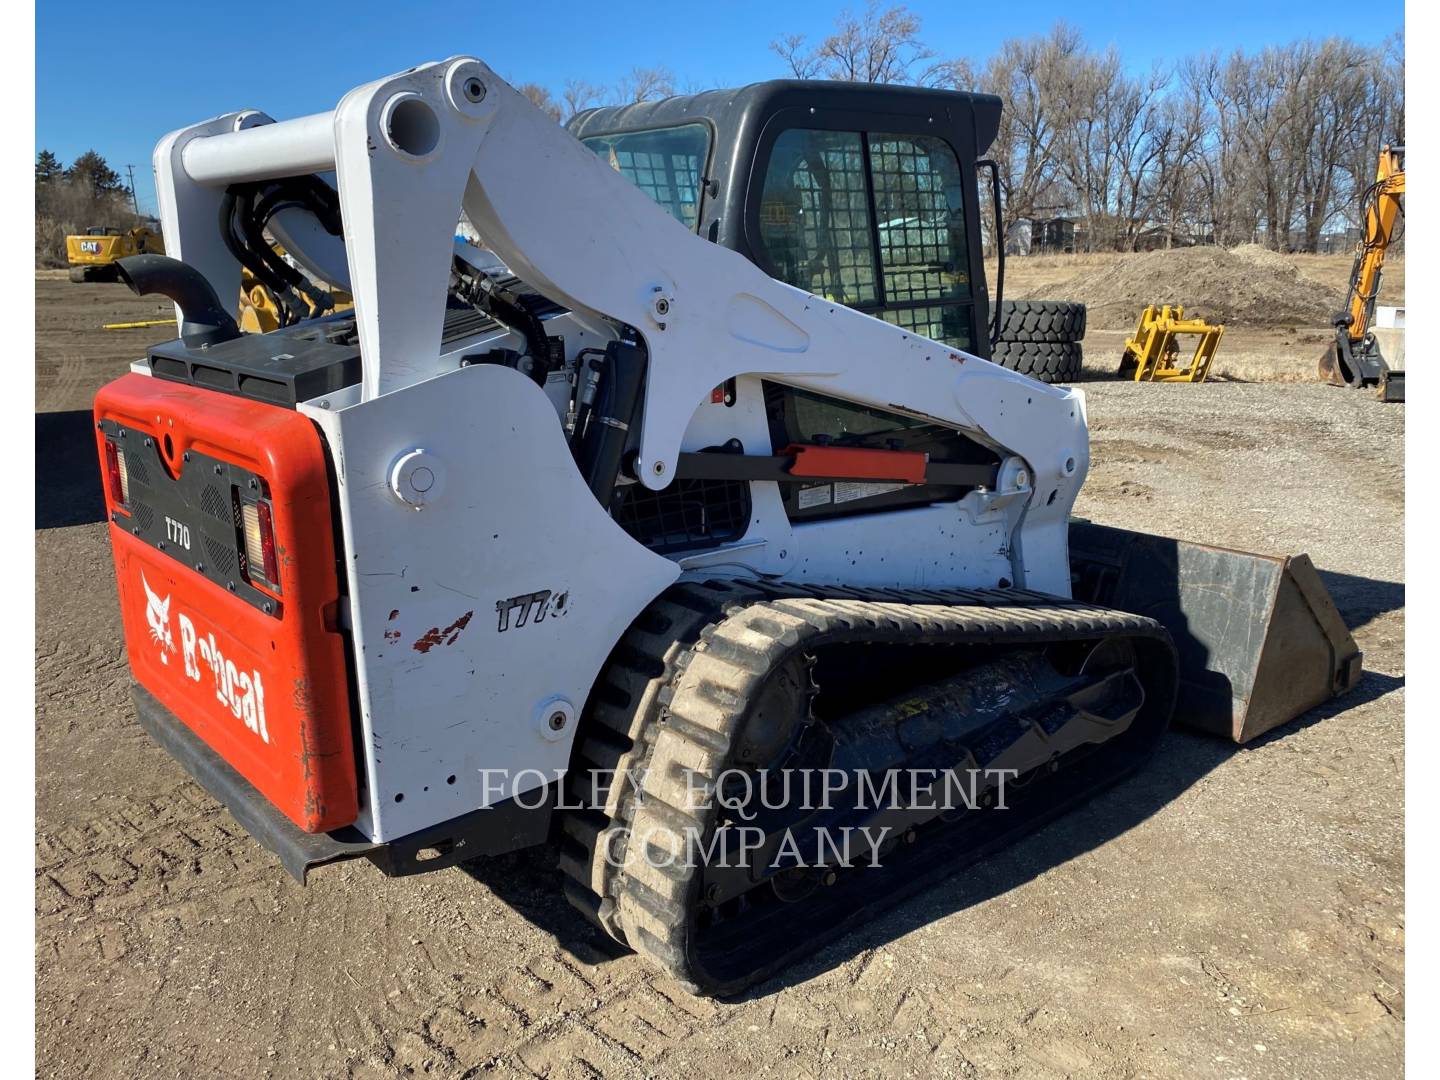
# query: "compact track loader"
[[765, 610]]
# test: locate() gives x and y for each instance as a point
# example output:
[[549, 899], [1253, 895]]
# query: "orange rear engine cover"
[[267, 691]]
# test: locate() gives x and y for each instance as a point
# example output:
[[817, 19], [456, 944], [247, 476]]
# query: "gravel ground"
[[1229, 913]]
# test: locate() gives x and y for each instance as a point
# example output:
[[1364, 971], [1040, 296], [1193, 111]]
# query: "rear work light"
[[116, 474], [259, 528]]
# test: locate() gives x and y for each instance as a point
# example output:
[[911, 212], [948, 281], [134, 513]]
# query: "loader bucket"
[[1260, 641]]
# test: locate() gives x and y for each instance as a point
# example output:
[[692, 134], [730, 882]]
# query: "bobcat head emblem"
[[157, 614]]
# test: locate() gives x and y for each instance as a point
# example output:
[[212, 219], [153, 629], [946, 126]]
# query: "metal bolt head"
[[268, 608], [557, 721], [474, 90], [662, 306]]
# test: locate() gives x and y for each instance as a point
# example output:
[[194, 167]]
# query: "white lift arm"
[[411, 150]]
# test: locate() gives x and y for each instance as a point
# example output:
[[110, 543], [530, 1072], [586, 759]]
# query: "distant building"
[[1338, 243], [1040, 236]]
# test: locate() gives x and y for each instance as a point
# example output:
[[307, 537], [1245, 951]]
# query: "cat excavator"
[[1354, 357], [765, 610]]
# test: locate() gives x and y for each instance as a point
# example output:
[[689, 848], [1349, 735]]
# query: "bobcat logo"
[[157, 614]]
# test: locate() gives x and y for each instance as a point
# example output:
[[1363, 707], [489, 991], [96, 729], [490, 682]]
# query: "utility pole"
[[134, 199]]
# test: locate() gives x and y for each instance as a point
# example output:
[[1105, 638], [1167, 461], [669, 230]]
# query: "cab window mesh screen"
[[815, 215], [920, 218], [665, 163], [949, 323]]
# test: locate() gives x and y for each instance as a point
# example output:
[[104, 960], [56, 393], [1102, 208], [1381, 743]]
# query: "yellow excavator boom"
[[1353, 358]]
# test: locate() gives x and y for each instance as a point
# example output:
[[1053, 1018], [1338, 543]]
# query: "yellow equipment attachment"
[[259, 314], [1152, 352]]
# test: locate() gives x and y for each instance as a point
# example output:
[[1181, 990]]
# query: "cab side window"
[[665, 163]]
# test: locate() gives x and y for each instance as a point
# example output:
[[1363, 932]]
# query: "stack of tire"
[[1041, 338]]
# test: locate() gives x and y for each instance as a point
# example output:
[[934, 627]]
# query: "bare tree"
[[804, 63], [541, 99], [1276, 143], [1032, 76], [880, 46], [645, 84], [579, 96]]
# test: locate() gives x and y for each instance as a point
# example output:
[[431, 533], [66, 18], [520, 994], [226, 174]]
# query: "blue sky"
[[194, 60]]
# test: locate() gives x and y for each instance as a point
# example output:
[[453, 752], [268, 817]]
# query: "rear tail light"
[[116, 474], [267, 545], [259, 527]]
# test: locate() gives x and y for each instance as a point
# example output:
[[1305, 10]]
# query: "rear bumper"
[[504, 827], [297, 850]]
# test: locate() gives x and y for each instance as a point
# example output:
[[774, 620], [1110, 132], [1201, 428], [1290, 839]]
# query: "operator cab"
[[862, 194]]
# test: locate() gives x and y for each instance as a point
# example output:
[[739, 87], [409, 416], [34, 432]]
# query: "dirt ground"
[[1250, 351], [1229, 913], [1034, 274]]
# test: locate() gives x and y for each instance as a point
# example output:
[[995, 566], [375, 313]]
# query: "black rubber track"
[[675, 695], [1048, 361], [1057, 321]]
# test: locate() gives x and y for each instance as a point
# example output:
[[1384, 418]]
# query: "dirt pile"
[[1246, 286]]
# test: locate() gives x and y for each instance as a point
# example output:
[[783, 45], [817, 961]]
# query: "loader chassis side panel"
[[267, 690], [480, 617]]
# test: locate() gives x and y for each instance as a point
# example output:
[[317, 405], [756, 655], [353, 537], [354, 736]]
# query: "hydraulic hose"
[[609, 428]]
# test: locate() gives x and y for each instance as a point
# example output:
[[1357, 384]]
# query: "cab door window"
[[815, 219], [920, 225], [872, 220]]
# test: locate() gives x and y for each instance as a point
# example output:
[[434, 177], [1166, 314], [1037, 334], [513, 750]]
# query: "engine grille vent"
[[221, 557], [136, 470], [214, 503]]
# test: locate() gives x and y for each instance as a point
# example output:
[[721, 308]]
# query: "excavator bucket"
[[1331, 369], [1259, 638]]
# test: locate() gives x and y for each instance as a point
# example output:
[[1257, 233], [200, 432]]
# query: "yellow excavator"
[[92, 254], [1354, 358]]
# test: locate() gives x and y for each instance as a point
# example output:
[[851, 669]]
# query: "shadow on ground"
[[1360, 599], [67, 470]]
